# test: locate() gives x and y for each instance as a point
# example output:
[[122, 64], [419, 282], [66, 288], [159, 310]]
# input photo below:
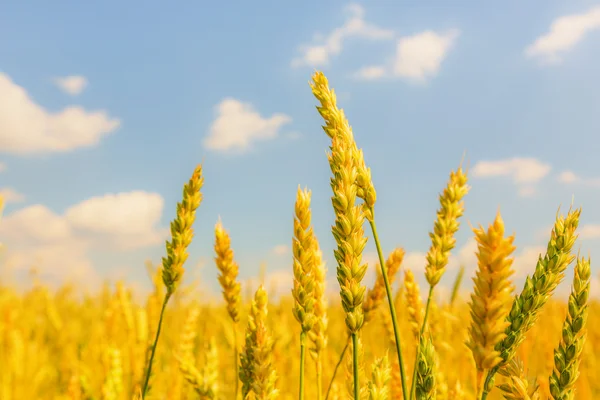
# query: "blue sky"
[[105, 109]]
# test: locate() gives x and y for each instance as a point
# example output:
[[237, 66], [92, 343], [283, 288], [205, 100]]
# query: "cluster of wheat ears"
[[498, 343]]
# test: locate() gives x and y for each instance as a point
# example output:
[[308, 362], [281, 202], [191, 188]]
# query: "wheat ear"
[[414, 305], [568, 354], [380, 378], [231, 288], [442, 238], [425, 370], [181, 237], [257, 372], [351, 179], [518, 386], [492, 297], [376, 295], [303, 268]]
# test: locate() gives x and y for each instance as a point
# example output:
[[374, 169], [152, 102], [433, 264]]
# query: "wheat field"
[[379, 342]]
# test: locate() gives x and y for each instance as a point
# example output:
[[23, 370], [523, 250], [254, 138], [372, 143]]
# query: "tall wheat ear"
[[231, 287], [304, 263], [349, 217], [351, 181], [172, 265], [442, 241], [492, 296]]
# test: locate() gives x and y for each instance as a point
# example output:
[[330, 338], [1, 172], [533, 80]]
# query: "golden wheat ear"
[[257, 371], [492, 297]]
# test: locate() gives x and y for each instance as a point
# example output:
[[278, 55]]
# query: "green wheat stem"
[[154, 345], [390, 298], [488, 381], [302, 357], [355, 365]]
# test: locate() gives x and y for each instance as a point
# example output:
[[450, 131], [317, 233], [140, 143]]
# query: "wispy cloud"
[[320, 54], [524, 172], [73, 85], [569, 177], [565, 33]]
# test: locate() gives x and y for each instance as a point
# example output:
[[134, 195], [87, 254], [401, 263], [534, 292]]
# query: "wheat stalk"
[[172, 264], [351, 179]]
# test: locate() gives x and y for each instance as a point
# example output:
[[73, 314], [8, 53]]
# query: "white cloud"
[[128, 220], [10, 195], [2, 167], [237, 126], [524, 172], [565, 32], [73, 84], [37, 237], [371, 73], [332, 45], [520, 170], [589, 231], [569, 177], [281, 249], [420, 56], [36, 224], [56, 263], [59, 244], [27, 128]]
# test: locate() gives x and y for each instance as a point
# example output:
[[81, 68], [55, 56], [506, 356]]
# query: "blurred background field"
[[66, 344]]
